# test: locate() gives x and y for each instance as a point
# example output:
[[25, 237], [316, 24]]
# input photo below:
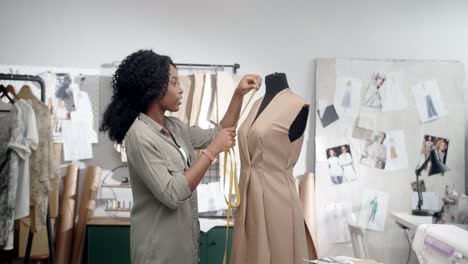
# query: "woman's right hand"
[[224, 140]]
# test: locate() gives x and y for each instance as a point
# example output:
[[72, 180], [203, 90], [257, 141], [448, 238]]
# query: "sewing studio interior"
[[243, 132]]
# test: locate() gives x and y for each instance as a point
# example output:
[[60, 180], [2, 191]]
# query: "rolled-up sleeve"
[[167, 185], [200, 138]]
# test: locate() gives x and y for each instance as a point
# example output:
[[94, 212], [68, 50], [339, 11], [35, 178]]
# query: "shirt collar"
[[155, 125]]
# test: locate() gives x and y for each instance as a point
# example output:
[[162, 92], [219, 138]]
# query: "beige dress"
[[269, 224]]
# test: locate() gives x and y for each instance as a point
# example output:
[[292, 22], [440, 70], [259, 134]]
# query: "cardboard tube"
[[307, 197], [87, 205], [63, 245]]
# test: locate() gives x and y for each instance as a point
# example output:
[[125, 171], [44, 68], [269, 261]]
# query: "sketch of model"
[[346, 102], [393, 152], [375, 152], [373, 206], [431, 111], [346, 163], [336, 172], [373, 95]]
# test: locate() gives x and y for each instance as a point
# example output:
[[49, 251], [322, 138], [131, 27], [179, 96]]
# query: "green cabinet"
[[111, 244], [108, 244], [212, 245]]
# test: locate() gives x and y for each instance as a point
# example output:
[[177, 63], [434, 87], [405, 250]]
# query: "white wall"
[[263, 36]]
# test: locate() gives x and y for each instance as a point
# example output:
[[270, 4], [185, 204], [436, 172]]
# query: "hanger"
[[26, 93], [6, 92]]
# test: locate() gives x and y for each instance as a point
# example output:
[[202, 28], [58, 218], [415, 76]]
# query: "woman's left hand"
[[248, 82]]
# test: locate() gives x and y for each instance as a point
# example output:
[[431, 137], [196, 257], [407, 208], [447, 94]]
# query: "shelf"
[[116, 186], [118, 210]]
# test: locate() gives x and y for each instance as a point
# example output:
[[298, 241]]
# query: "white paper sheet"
[[385, 92], [374, 152], [429, 101], [373, 210], [397, 156], [431, 201], [347, 96], [337, 222], [76, 140]]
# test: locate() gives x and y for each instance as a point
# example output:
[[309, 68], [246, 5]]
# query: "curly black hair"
[[141, 78]]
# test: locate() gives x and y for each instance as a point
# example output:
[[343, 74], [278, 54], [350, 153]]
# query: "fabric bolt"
[[7, 182], [269, 221], [164, 217]]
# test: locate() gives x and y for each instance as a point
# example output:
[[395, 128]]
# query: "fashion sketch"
[[374, 205], [373, 213], [373, 95], [374, 153], [347, 96], [429, 101], [397, 156]]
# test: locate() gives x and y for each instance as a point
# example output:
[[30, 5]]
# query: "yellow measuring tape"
[[233, 181]]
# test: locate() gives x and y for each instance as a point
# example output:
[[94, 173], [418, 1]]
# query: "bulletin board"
[[417, 98]]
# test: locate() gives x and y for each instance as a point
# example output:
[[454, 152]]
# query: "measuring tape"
[[233, 181]]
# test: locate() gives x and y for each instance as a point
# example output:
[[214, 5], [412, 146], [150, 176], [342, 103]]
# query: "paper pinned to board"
[[347, 95], [76, 140], [373, 210], [337, 222], [397, 156], [429, 101]]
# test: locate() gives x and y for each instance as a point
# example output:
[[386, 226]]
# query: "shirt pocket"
[[175, 164]]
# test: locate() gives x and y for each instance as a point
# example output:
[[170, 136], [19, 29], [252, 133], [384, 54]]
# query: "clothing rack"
[[40, 81], [234, 66]]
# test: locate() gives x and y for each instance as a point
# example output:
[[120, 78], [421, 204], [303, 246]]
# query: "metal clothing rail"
[[40, 81], [234, 66]]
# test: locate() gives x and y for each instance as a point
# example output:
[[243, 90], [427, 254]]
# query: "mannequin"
[[275, 83]]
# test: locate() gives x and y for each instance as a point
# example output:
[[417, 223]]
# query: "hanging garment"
[[7, 184], [199, 82], [431, 112], [269, 221], [23, 144]]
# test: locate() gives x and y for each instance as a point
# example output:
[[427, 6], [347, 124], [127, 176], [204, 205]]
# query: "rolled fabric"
[[64, 240], [87, 205], [307, 197]]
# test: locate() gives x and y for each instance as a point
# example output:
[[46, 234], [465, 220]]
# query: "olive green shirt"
[[164, 217]]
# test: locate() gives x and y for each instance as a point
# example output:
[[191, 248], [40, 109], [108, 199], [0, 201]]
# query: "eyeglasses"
[[174, 80]]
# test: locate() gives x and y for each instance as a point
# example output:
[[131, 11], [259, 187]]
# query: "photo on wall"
[[373, 210], [340, 163], [374, 153], [434, 155]]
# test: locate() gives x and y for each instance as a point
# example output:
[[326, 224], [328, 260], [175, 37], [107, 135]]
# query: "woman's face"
[[332, 153], [343, 149], [173, 98]]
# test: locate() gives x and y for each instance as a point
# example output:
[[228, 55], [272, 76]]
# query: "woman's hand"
[[248, 82], [224, 140]]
